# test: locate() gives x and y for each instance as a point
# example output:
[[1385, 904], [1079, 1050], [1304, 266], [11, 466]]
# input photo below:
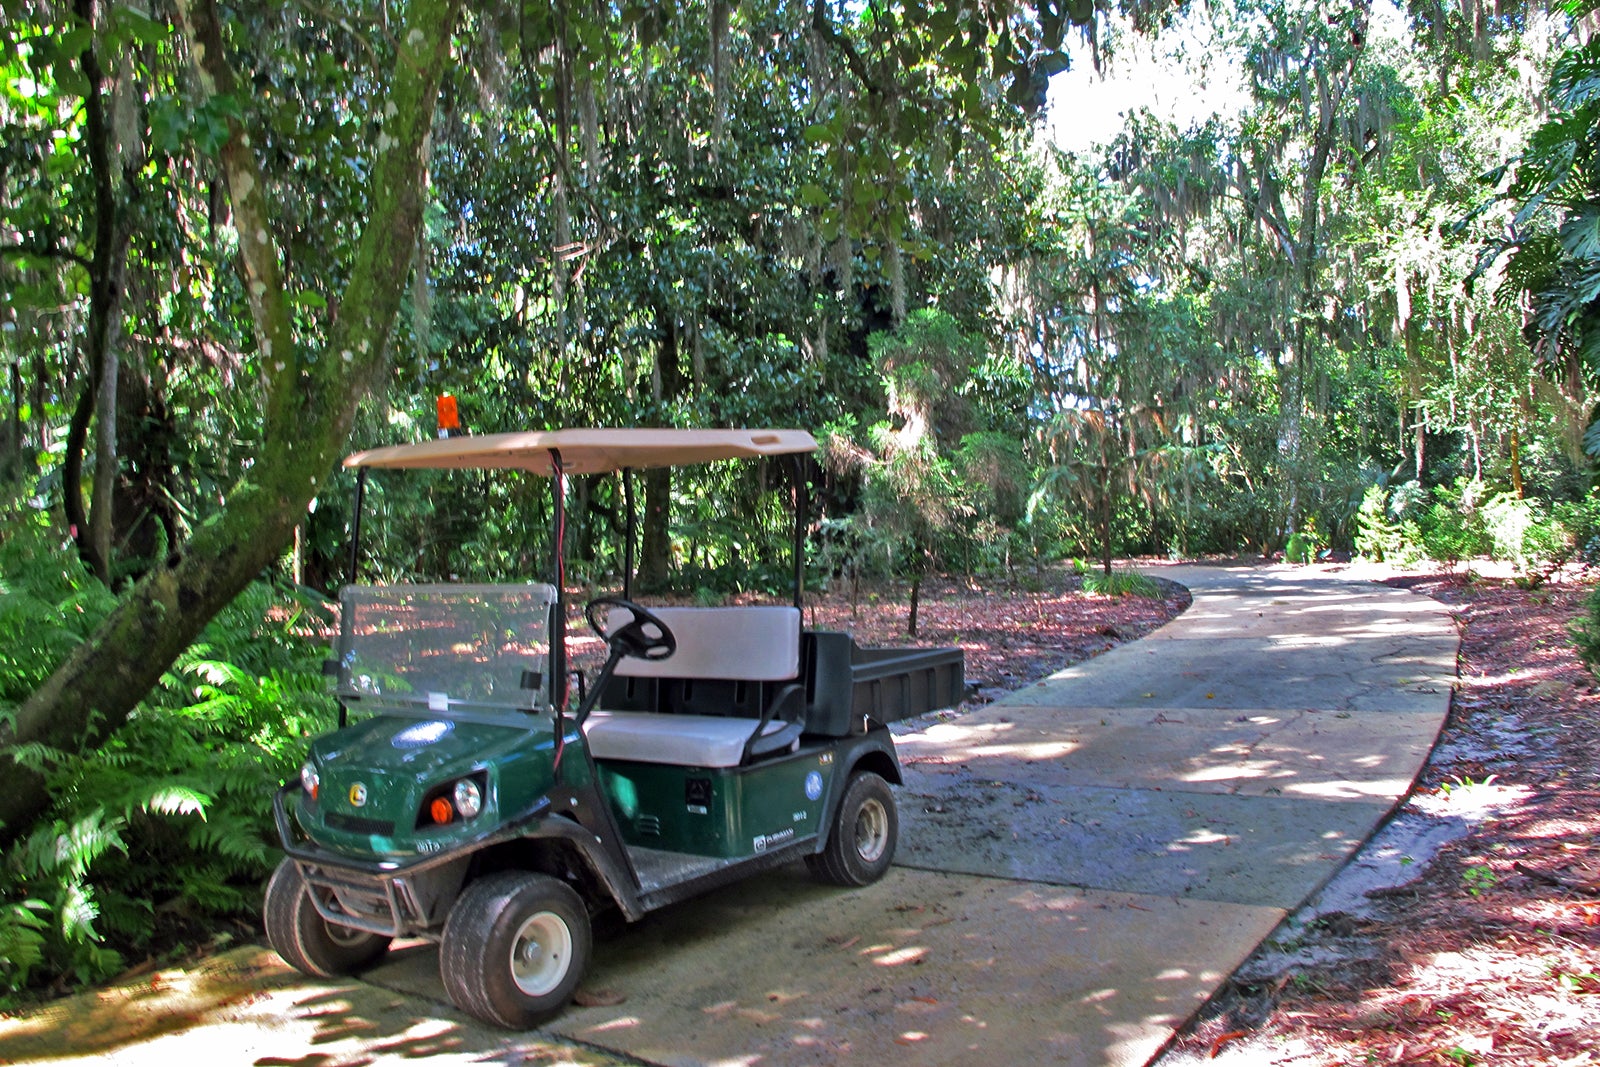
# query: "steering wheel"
[[643, 637]]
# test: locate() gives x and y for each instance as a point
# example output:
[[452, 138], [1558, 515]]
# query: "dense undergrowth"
[[1468, 520], [163, 834]]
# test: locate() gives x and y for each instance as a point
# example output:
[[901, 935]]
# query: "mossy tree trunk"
[[310, 397]]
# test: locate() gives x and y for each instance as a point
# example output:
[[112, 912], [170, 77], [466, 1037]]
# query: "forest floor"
[[1486, 953], [1013, 632]]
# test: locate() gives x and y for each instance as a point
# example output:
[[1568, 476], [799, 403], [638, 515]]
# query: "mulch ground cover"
[[1014, 632]]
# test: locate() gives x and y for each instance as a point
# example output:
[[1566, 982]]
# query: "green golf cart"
[[482, 794]]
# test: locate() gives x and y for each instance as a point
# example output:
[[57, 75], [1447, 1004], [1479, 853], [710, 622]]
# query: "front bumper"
[[407, 897]]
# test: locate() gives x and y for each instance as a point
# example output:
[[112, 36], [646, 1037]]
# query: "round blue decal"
[[813, 785], [422, 733]]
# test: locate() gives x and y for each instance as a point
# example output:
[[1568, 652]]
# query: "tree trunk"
[[916, 604], [310, 407], [103, 510], [1421, 445], [1105, 527], [106, 271], [72, 503], [655, 544], [655, 548], [13, 454], [1516, 464], [147, 523]]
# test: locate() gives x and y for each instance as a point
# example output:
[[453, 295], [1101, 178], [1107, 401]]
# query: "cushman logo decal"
[[358, 796], [766, 841]]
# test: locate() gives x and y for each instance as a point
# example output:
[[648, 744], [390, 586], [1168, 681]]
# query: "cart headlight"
[[458, 801], [469, 798], [310, 780]]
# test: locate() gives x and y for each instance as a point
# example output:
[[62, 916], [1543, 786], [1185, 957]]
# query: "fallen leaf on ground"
[[1223, 1039]]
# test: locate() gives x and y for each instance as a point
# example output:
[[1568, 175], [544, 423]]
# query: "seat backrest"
[[756, 643]]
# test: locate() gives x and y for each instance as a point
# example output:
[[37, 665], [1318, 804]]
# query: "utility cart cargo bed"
[[848, 684]]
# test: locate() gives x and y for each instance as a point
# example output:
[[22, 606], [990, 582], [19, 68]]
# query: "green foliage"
[[1479, 879], [1377, 537], [1456, 526], [1303, 545], [1523, 531], [1585, 631], [166, 826], [54, 923], [1555, 254], [1119, 582], [48, 603], [1450, 535]]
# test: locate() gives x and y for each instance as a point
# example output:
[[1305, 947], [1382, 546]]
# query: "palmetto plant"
[[1554, 238]]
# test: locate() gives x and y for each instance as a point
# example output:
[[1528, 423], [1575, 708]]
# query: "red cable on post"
[[558, 648]]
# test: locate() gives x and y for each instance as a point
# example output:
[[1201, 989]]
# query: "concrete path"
[[1081, 864]]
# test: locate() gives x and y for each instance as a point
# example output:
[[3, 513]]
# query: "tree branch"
[[258, 252], [42, 251], [837, 40]]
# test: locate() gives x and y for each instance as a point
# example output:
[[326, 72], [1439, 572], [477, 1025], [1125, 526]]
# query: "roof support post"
[[802, 505], [558, 625], [630, 526], [355, 527]]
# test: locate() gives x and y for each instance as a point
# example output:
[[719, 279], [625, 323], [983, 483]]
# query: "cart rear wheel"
[[862, 840], [308, 942], [515, 948]]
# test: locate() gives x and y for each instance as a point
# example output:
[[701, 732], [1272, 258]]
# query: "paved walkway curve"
[[1081, 864]]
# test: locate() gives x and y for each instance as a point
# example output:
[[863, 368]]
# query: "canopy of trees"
[[236, 242]]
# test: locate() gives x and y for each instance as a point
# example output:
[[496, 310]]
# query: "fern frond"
[[172, 799], [76, 913], [34, 756]]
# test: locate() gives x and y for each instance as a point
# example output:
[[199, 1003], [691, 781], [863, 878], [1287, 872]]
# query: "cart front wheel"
[[308, 942], [862, 840], [515, 948]]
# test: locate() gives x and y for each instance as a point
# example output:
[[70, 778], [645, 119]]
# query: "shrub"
[[1120, 583], [1523, 532], [1449, 536], [1377, 537], [1304, 544]]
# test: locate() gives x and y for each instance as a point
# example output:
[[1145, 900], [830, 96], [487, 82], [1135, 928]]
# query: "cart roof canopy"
[[586, 451]]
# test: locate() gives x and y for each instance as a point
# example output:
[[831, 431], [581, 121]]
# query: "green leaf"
[[176, 800], [141, 27]]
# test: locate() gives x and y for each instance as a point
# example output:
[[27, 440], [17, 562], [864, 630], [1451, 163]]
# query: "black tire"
[[862, 839], [308, 942], [515, 948]]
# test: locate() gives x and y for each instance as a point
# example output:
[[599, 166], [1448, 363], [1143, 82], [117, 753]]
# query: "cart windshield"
[[445, 647]]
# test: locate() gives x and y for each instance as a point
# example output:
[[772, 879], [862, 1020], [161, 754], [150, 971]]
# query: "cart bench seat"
[[681, 740]]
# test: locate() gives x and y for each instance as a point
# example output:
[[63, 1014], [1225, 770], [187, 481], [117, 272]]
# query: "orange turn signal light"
[[441, 810]]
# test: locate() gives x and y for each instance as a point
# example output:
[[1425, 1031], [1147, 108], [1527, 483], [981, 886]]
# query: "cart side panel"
[[723, 812]]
